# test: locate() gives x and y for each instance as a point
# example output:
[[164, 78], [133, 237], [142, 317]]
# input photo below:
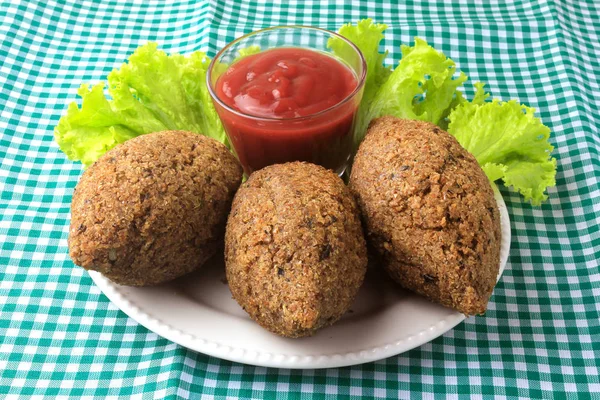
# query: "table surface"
[[60, 336]]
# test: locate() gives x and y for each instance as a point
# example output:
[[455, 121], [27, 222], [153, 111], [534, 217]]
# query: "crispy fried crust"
[[429, 211], [154, 208], [294, 248]]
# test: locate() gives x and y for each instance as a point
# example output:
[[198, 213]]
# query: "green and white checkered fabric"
[[59, 336]]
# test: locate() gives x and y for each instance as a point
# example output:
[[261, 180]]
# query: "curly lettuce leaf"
[[247, 51], [85, 133], [152, 92], [508, 141], [422, 87], [367, 36]]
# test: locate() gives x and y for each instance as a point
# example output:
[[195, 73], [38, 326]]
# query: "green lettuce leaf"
[[87, 133], [246, 51], [422, 87], [508, 141], [366, 36], [152, 92]]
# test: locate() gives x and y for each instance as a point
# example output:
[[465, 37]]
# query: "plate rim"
[[297, 361]]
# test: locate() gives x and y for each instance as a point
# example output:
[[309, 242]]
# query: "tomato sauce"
[[290, 104]]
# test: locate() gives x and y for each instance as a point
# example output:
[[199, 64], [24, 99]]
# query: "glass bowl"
[[324, 138]]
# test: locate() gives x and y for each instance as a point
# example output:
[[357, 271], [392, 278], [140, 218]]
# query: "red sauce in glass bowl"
[[288, 104]]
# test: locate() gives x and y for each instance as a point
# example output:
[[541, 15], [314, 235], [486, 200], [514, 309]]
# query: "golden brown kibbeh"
[[429, 211], [295, 253], [154, 208]]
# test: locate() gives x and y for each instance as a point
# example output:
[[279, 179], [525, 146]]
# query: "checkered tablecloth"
[[60, 336]]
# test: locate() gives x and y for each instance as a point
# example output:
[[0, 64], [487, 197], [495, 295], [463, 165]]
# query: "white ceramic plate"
[[197, 312]]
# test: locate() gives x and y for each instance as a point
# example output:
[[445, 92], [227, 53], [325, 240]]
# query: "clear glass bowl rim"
[[359, 86]]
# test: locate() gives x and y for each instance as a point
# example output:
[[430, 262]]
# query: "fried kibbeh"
[[295, 253], [429, 212], [154, 208]]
